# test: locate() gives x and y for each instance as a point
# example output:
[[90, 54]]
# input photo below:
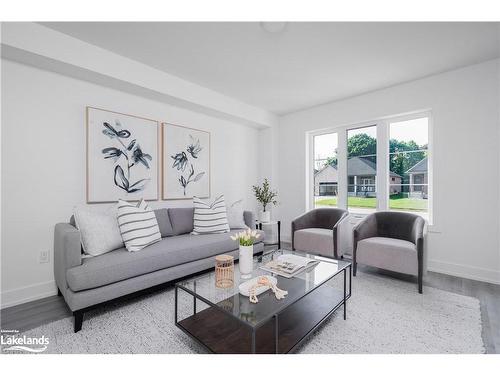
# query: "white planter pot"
[[246, 261], [265, 216]]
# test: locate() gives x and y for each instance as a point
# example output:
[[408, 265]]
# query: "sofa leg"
[[78, 320], [59, 292], [354, 268]]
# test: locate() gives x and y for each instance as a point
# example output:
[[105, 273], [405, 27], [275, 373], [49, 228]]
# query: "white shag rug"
[[384, 315]]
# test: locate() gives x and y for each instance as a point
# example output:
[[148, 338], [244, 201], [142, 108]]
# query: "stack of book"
[[289, 265]]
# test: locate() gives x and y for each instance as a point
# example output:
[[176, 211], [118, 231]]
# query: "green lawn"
[[396, 202]]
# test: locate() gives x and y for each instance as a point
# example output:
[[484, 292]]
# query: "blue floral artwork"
[[132, 153], [186, 162], [122, 156], [181, 161]]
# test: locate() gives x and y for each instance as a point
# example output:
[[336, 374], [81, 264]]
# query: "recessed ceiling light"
[[273, 27]]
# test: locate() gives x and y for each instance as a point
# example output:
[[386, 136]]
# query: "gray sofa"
[[87, 282]]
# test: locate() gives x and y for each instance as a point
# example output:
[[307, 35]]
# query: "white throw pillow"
[[99, 232], [210, 218], [138, 225], [235, 216]]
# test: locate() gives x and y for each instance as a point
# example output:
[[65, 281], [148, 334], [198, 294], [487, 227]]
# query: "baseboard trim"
[[13, 297], [466, 272]]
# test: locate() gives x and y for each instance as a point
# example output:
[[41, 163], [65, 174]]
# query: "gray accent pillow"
[[164, 223], [182, 219], [99, 231], [235, 216]]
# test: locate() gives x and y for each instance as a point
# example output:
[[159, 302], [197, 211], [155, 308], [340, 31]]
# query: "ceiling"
[[304, 65]]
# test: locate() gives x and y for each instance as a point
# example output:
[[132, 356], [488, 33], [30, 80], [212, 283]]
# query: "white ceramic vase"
[[265, 216], [246, 261]]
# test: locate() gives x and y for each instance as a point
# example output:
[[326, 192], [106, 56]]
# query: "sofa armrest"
[[249, 218], [67, 251]]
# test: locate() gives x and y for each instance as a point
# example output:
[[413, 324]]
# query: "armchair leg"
[[420, 269], [78, 315], [354, 268]]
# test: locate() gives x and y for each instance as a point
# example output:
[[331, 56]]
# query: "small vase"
[[265, 216], [246, 261]]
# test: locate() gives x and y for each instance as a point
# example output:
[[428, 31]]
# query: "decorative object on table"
[[235, 215], [246, 286], [122, 157], [258, 285], [246, 240], [224, 271], [289, 265], [210, 218], [265, 196], [186, 162]]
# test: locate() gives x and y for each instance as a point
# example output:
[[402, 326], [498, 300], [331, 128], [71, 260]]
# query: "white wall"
[[43, 164], [464, 239]]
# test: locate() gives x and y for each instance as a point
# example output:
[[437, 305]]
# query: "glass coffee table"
[[224, 321]]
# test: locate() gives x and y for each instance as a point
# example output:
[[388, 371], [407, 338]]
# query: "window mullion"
[[342, 169], [382, 178]]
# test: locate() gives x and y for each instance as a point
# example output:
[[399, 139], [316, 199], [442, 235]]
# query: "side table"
[[258, 225]]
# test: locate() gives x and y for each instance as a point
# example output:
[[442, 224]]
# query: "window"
[[362, 169], [325, 170], [379, 165], [408, 165]]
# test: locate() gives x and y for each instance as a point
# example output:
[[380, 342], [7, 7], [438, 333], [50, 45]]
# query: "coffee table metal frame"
[[275, 315]]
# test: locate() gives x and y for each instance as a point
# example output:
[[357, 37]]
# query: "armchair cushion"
[[388, 253], [314, 240]]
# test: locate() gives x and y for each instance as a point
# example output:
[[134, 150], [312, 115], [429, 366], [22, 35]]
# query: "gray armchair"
[[316, 231], [391, 240]]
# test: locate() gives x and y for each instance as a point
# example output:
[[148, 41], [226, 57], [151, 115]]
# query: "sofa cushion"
[[210, 217], [120, 264], [164, 222], [138, 225], [314, 240], [236, 217], [388, 253], [99, 231], [181, 219]]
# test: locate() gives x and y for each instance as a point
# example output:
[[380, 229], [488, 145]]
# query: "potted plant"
[[265, 196], [246, 240]]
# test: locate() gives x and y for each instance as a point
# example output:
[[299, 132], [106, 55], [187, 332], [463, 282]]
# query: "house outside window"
[[362, 169], [404, 178], [325, 179], [408, 156]]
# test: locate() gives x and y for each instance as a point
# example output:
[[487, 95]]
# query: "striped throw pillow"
[[210, 218], [138, 225]]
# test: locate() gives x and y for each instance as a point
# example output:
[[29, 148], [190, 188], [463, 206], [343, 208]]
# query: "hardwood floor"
[[34, 314]]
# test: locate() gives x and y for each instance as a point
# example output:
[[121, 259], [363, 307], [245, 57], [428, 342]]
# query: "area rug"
[[384, 315]]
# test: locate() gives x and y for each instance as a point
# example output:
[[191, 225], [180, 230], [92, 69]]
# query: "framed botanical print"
[[186, 162], [122, 157]]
